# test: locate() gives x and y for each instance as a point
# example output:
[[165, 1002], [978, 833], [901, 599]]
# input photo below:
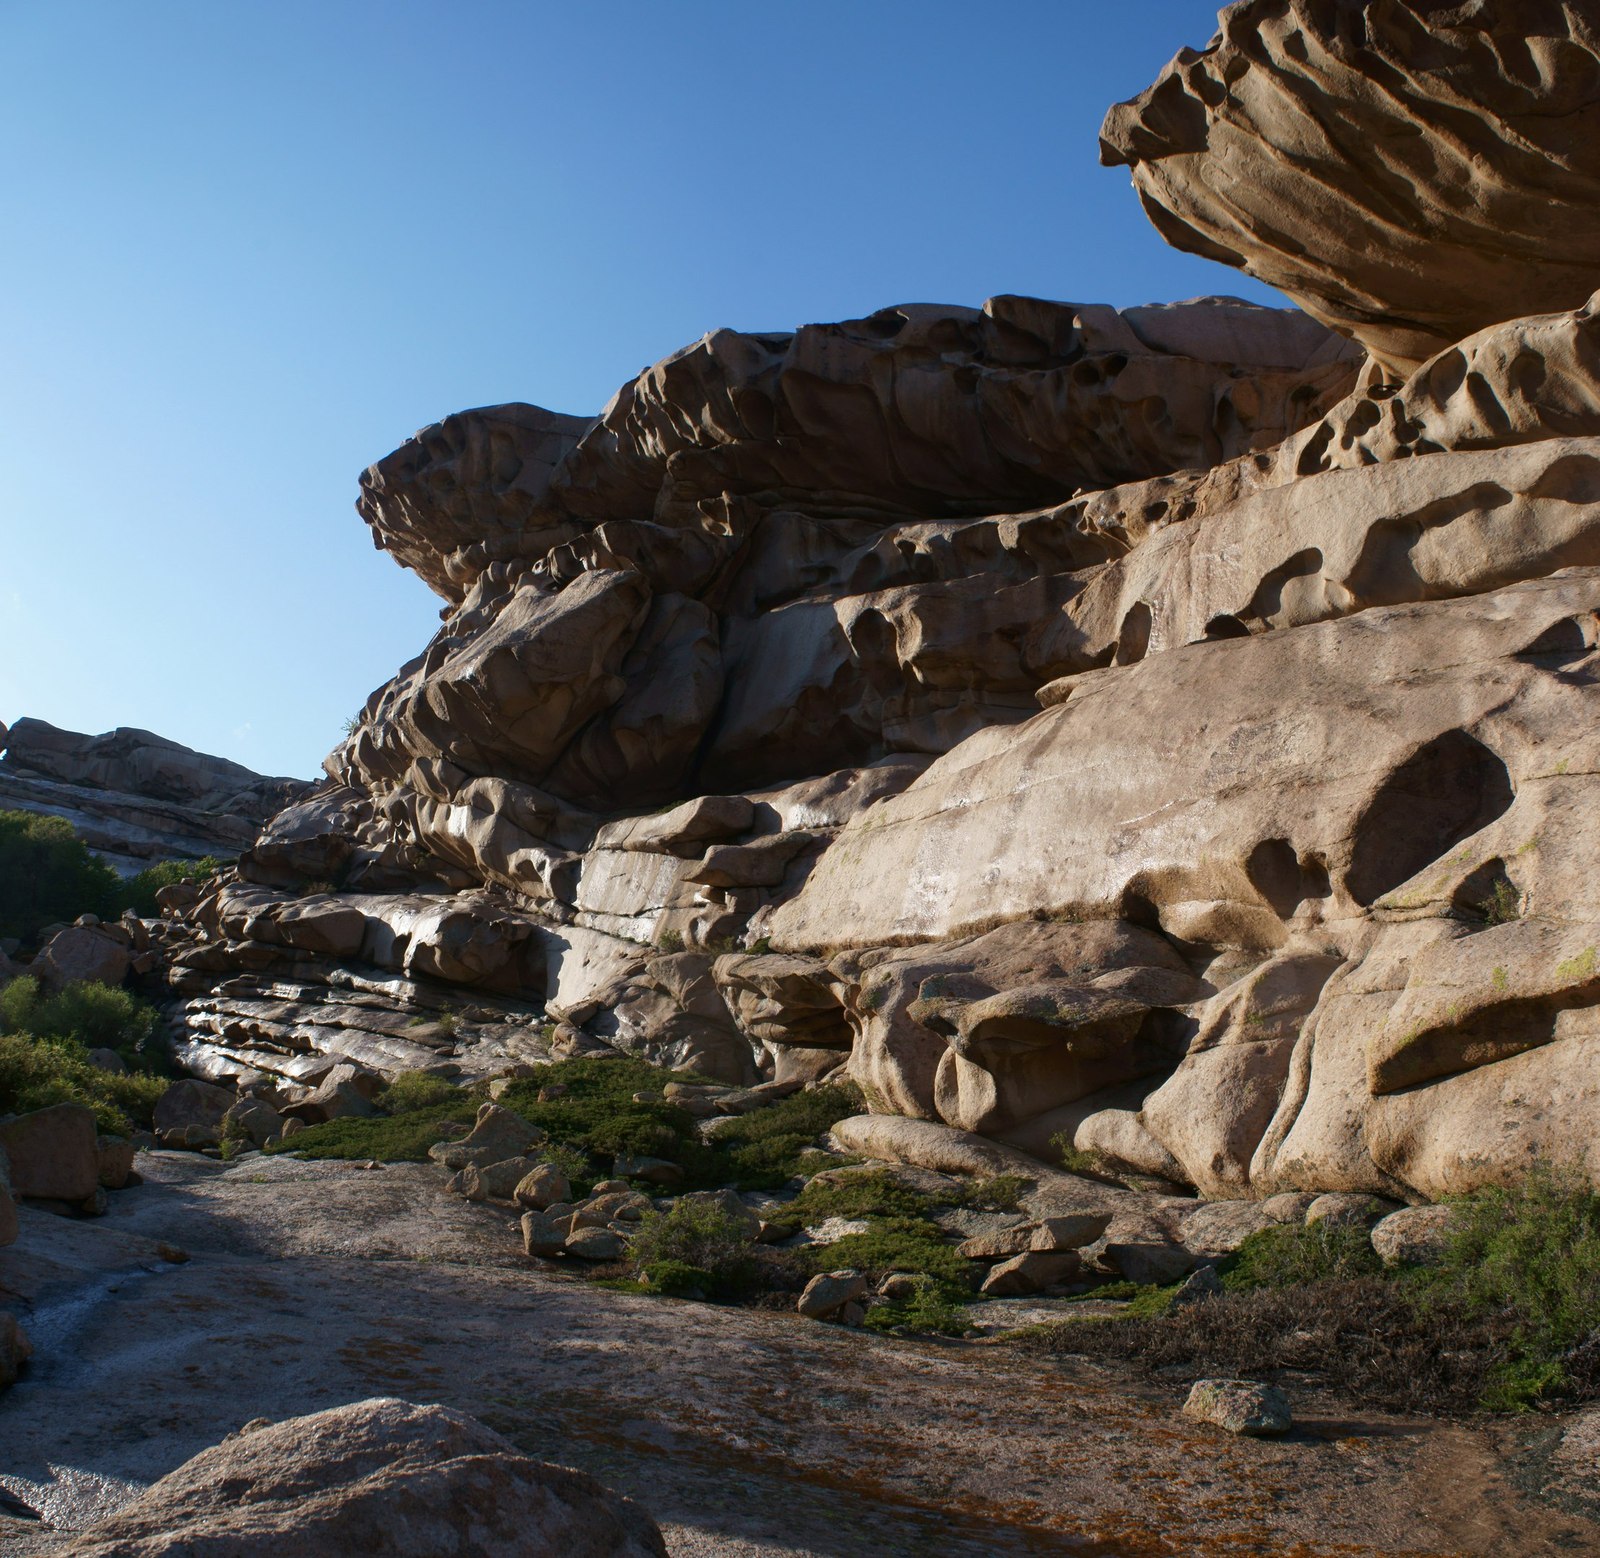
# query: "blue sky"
[[251, 246]]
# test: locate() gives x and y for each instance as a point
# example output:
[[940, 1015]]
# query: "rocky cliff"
[[1159, 732], [136, 798]]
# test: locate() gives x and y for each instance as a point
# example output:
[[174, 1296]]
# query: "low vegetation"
[[695, 1250], [48, 876], [1508, 1319], [44, 1052]]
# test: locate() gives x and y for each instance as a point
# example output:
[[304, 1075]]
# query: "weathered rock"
[[1348, 1211], [259, 1121], [1241, 1406], [596, 1244], [81, 953], [1030, 1272], [53, 1153], [493, 1181], [379, 1475], [544, 1235], [496, 1135], [1070, 1232], [1413, 1236], [998, 1245], [193, 1103], [1480, 205], [543, 1186], [1139, 1248], [1200, 1285], [114, 1161], [828, 1293], [653, 1171]]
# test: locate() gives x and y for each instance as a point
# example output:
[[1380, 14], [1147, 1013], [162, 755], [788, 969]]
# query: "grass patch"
[[696, 1249], [928, 1312], [44, 1052], [1508, 1320], [767, 1147], [897, 1244]]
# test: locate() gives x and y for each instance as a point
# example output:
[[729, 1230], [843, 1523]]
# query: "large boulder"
[[82, 952], [54, 1153], [379, 1476]]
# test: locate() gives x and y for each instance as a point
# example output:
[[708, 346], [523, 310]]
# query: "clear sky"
[[251, 245]]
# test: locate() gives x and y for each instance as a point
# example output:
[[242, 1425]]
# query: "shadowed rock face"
[[1407, 171], [1129, 730]]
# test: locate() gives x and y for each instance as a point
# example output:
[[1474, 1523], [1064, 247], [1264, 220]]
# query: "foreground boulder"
[[1241, 1406], [54, 1153], [375, 1477]]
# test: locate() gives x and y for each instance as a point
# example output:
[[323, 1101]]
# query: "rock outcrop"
[[1157, 735], [374, 1476], [134, 797]]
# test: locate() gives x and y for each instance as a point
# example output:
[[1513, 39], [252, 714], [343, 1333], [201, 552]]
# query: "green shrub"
[[998, 1193], [47, 874], [765, 1148], [139, 892], [695, 1246], [1294, 1255], [1529, 1255], [413, 1090], [871, 1194], [897, 1244], [44, 1052], [928, 1311]]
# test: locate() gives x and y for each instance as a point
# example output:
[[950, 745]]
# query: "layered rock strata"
[[1156, 735], [134, 797]]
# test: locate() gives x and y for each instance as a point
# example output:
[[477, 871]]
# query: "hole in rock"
[[1278, 874], [1226, 626], [885, 325], [1133, 641], [1444, 792]]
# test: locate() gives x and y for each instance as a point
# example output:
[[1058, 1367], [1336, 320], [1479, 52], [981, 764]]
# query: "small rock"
[[653, 1171], [543, 1235], [259, 1121], [825, 1295], [1289, 1207], [998, 1245], [1030, 1272], [1197, 1287], [554, 1091], [115, 1159], [852, 1314], [1339, 1209], [900, 1286], [600, 1211], [1413, 1236], [1070, 1232], [595, 1244], [607, 1187], [1241, 1406], [492, 1181], [1141, 1251], [108, 1060], [171, 1254], [832, 1229], [292, 1126], [543, 1186], [1217, 1228]]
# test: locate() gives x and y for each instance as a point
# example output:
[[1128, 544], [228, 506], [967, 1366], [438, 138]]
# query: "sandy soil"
[[745, 1433]]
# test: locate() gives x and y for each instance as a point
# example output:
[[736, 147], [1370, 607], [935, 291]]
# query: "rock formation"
[[134, 797], [1158, 733]]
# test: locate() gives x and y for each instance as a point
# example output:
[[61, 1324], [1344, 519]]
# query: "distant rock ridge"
[[135, 797], [1168, 732]]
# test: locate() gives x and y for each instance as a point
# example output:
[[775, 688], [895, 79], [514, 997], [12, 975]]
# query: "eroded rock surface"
[[1152, 737]]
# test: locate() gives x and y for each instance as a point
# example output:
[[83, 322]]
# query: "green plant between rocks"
[[696, 1249]]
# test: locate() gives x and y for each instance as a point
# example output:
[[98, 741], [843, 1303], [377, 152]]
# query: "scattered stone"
[[114, 1159], [542, 1187], [1140, 1250], [827, 1294], [1241, 1406], [543, 1235], [1289, 1207], [998, 1245], [596, 1244], [1070, 1232], [1031, 1272], [616, 1205], [192, 1103], [259, 1121], [1200, 1285], [492, 1181], [1339, 1209], [497, 1135], [653, 1171], [852, 1314], [1413, 1236], [380, 1476]]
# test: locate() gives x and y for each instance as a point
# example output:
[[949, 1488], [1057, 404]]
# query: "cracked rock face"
[[1141, 733]]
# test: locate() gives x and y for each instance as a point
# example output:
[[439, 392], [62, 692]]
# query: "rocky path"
[[743, 1432]]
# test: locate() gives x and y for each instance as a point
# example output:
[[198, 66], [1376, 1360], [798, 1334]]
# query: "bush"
[[1527, 1257], [139, 892], [695, 1247], [1294, 1255], [897, 1244], [47, 874], [412, 1090], [767, 1147], [928, 1312], [44, 1052]]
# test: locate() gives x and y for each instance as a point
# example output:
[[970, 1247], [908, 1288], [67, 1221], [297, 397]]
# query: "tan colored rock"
[[543, 1234], [1031, 1272], [114, 1161], [383, 1475], [1436, 188], [596, 1244], [53, 1153], [1069, 1232], [998, 1245], [543, 1186], [81, 953], [829, 1293], [1413, 1236], [497, 1135]]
